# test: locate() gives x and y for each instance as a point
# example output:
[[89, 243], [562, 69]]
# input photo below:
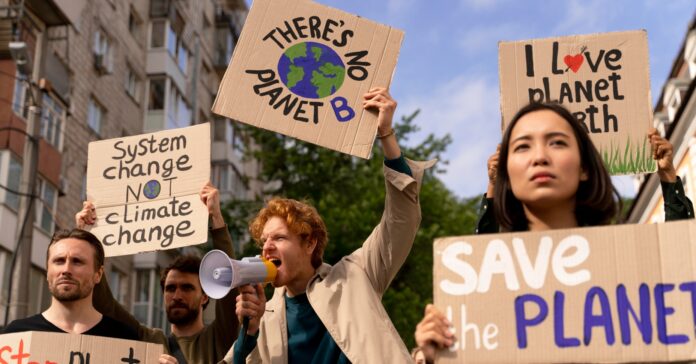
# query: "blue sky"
[[448, 66]]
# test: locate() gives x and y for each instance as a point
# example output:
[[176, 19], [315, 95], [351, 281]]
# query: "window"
[[239, 189], [46, 207], [52, 114], [132, 83], [224, 178], [117, 283], [39, 296], [176, 47], [224, 46], [21, 96], [238, 145], [158, 312], [5, 276], [141, 303], [147, 305], [228, 180], [156, 94], [102, 52], [220, 128], [172, 40], [182, 58], [134, 23], [13, 179], [95, 115], [157, 33], [178, 111]]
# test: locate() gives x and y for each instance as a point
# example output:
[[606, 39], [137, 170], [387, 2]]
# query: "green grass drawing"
[[633, 158]]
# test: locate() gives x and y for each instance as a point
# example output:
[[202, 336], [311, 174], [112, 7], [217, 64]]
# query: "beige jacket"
[[347, 297]]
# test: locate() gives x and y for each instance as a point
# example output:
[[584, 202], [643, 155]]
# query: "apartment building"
[[104, 69], [674, 118]]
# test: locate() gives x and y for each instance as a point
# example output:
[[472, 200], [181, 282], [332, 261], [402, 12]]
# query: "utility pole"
[[19, 304]]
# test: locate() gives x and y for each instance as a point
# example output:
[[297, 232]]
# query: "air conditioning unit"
[[100, 63]]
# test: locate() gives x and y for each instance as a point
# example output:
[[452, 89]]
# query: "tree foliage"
[[349, 194]]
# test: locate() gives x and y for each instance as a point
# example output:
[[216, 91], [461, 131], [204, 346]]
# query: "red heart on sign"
[[574, 62]]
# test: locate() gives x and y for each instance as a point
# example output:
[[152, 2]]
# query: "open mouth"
[[275, 262]]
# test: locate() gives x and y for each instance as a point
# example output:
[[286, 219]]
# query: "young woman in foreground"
[[550, 176]]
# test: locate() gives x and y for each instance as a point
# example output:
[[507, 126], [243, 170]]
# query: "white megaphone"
[[219, 274]]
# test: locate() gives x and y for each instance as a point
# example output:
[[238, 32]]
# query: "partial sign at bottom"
[[34, 347]]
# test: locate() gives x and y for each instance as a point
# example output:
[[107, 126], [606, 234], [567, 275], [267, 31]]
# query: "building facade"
[[674, 118], [107, 69]]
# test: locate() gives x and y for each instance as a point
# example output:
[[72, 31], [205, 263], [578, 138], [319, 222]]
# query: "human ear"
[[583, 175], [311, 245], [205, 299], [98, 275]]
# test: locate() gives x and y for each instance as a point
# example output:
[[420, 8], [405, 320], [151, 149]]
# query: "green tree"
[[349, 194]]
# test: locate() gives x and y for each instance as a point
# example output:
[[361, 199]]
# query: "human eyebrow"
[[521, 138], [169, 287], [556, 134], [58, 258]]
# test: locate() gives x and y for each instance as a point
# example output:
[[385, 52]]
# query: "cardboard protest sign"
[[33, 347], [145, 189], [612, 294], [603, 79], [301, 68]]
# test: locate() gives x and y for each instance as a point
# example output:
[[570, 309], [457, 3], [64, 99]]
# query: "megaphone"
[[219, 274]]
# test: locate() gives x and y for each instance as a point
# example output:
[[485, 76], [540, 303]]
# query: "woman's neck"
[[559, 216]]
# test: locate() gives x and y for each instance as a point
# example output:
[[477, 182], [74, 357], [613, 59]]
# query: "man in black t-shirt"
[[74, 265]]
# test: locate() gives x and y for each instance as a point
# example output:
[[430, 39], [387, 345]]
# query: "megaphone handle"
[[245, 326]]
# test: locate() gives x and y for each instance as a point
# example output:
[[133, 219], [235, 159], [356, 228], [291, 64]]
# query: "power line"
[[17, 192]]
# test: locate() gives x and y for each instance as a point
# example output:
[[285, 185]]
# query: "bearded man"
[[190, 341], [74, 265]]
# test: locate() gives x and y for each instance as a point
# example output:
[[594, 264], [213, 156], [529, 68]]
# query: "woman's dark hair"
[[594, 200]]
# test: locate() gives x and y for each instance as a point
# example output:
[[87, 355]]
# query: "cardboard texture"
[[603, 79], [145, 190], [33, 347], [301, 69], [623, 293]]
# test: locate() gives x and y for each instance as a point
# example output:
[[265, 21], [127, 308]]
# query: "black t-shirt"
[[107, 327]]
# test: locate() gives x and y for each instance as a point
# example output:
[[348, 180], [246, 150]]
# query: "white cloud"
[[486, 38], [584, 16], [400, 8], [479, 4], [467, 108]]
